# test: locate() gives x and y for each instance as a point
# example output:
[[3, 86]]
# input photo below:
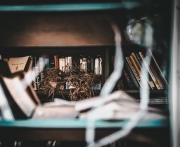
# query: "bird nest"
[[80, 85]]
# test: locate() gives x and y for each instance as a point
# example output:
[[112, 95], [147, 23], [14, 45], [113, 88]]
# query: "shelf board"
[[70, 7], [151, 91], [63, 92], [161, 94], [78, 123], [131, 92], [56, 128]]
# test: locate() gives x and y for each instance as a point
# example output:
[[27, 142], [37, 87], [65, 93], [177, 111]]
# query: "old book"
[[30, 63], [135, 63], [157, 72], [36, 76], [47, 63], [17, 64], [121, 83], [138, 66], [117, 105], [41, 67], [23, 106], [140, 57], [56, 61], [148, 77], [133, 70], [5, 110], [119, 110], [130, 77], [128, 82], [62, 64]]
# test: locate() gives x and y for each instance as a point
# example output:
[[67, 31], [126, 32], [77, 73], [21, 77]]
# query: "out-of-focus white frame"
[[174, 90]]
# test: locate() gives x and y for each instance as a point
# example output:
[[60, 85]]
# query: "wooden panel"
[[53, 29]]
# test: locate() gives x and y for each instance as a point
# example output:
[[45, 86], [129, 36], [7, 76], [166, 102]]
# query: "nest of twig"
[[48, 84], [81, 85]]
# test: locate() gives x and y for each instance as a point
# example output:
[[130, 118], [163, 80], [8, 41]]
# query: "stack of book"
[[132, 72]]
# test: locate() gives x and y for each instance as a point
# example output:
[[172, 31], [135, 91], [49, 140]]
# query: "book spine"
[[47, 63], [138, 70], [69, 64], [129, 83], [92, 65], [133, 70], [36, 75], [62, 64], [159, 69], [141, 59], [150, 81], [136, 62], [56, 61], [41, 67], [84, 64], [155, 71], [31, 63], [130, 75], [137, 65], [96, 66], [89, 64], [121, 84]]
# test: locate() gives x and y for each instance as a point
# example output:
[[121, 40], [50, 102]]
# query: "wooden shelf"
[[69, 7], [74, 129]]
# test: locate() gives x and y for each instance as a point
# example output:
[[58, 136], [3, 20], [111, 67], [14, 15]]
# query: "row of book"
[[132, 72], [79, 63], [65, 65], [69, 65], [90, 64]]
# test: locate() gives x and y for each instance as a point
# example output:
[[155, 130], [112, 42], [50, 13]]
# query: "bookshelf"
[[67, 31], [105, 51]]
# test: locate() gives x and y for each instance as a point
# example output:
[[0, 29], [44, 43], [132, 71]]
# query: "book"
[[157, 72], [133, 70], [17, 64], [121, 83], [5, 111], [117, 105], [19, 95], [162, 79], [138, 66], [140, 57], [158, 100], [24, 107], [128, 82], [36, 77], [62, 64], [41, 67], [47, 63], [135, 62], [148, 78], [51, 60], [30, 63], [56, 61], [130, 77]]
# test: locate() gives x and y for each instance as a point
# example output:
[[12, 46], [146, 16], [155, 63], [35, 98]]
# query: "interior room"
[[89, 73]]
